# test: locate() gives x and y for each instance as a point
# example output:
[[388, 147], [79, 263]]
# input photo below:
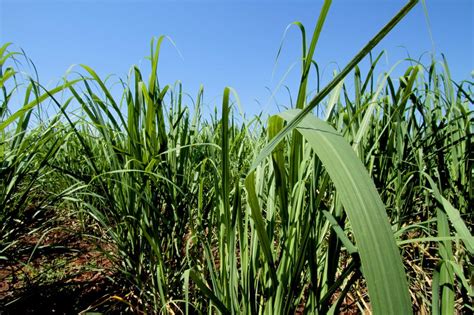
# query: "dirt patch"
[[57, 271]]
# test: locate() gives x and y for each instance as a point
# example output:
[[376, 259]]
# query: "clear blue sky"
[[227, 43]]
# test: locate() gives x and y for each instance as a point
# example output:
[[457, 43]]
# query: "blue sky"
[[228, 43]]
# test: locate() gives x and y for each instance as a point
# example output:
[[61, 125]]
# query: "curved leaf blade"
[[380, 258]]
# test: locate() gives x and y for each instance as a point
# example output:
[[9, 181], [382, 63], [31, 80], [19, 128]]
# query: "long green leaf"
[[454, 217], [324, 92], [381, 261], [34, 103]]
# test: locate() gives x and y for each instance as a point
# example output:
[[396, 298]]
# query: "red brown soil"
[[67, 274]]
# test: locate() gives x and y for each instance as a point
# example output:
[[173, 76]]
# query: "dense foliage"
[[368, 206]]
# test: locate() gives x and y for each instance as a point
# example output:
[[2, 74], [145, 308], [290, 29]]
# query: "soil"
[[58, 271]]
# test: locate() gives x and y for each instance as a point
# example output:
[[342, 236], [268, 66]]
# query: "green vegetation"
[[366, 207]]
